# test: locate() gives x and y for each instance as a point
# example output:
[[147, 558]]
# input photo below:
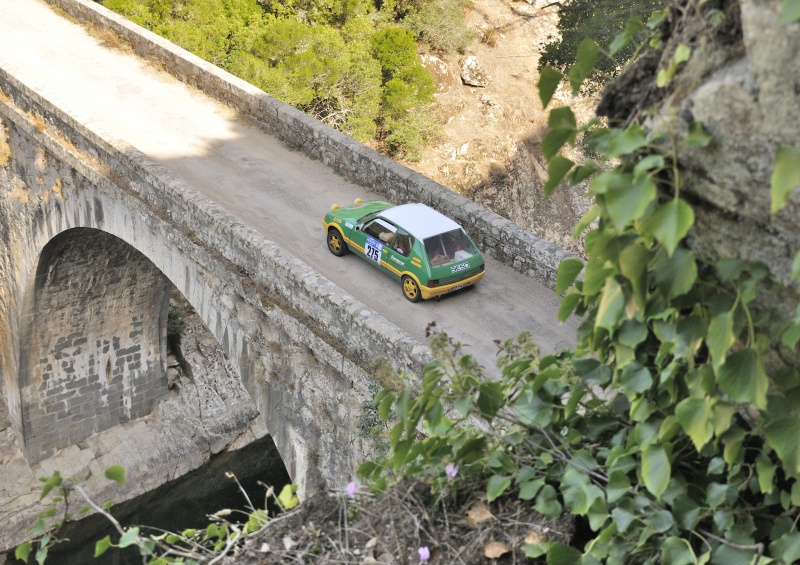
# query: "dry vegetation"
[[464, 529]]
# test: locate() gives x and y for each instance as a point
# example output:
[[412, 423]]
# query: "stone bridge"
[[95, 234]]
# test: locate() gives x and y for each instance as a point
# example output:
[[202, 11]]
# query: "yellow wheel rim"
[[334, 242], [410, 288]]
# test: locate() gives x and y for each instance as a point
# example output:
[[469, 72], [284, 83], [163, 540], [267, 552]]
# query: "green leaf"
[[562, 119], [623, 518], [787, 547], [578, 491], [635, 378], [766, 473], [626, 141], [677, 551], [287, 498], [102, 546], [23, 551], [720, 338], [676, 275], [50, 483], [116, 473], [41, 555], [728, 269], [669, 224], [697, 136], [496, 485], [742, 376], [612, 305], [656, 470], [463, 404], [556, 169], [587, 219], [584, 64], [568, 304], [633, 266], [532, 410], [782, 436], [682, 54], [632, 27], [695, 417], [631, 333], [530, 489], [790, 11], [548, 82], [582, 172], [785, 176], [625, 204], [490, 398], [385, 406], [568, 271], [618, 485], [130, 537], [560, 554], [535, 550], [552, 144], [660, 521], [648, 164], [547, 502]]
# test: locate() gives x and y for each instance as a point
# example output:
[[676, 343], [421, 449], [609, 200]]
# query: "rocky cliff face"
[[743, 84]]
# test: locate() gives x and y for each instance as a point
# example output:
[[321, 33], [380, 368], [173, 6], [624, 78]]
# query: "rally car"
[[427, 252]]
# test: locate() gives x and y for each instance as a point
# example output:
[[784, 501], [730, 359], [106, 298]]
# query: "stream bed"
[[182, 503]]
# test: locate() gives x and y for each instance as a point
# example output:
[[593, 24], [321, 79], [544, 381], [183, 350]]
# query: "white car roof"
[[420, 220]]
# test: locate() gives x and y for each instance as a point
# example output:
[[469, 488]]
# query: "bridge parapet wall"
[[497, 236]]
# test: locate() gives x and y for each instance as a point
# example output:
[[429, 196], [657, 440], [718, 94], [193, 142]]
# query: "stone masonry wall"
[[495, 235], [94, 338]]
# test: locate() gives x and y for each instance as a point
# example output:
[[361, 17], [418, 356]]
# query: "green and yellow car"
[[427, 252]]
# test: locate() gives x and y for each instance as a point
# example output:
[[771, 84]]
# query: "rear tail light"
[[433, 284]]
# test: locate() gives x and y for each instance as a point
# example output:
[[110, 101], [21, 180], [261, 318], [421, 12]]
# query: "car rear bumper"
[[428, 292]]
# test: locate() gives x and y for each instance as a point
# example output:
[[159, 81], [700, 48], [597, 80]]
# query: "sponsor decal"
[[398, 261], [457, 268], [348, 225]]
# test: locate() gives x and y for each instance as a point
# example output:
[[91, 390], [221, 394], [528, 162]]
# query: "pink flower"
[[424, 554], [351, 489], [451, 470]]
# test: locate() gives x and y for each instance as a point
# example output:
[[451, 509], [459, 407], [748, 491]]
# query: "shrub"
[[440, 24]]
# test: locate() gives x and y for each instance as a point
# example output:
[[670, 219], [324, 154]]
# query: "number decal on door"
[[372, 250]]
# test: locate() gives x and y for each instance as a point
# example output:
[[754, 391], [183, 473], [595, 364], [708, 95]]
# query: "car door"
[[374, 241]]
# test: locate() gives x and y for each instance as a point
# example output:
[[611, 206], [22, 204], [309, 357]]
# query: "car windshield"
[[449, 247]]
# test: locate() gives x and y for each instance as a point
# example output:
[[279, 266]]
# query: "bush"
[[440, 24], [670, 431]]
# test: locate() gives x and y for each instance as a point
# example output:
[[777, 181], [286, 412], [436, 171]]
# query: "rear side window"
[[449, 247]]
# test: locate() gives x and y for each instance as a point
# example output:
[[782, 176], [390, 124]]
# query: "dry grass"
[[392, 527]]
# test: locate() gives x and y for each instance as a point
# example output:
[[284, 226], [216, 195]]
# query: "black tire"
[[336, 244], [411, 289]]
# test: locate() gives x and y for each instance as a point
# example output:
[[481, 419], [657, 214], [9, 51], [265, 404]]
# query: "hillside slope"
[[489, 149]]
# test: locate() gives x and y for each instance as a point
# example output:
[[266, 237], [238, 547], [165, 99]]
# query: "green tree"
[[407, 87], [600, 21]]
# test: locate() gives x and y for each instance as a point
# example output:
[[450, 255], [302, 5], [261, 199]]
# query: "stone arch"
[[92, 340]]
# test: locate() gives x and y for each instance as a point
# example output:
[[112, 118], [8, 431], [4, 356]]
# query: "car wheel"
[[411, 289], [336, 244]]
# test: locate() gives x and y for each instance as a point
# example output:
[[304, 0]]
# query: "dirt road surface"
[[280, 192]]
